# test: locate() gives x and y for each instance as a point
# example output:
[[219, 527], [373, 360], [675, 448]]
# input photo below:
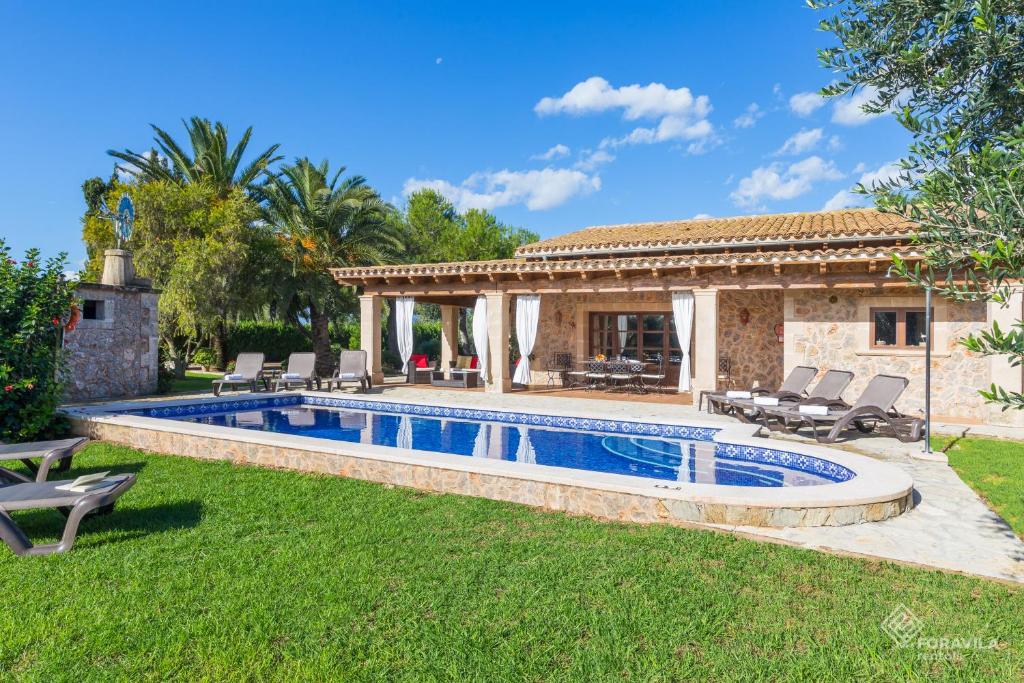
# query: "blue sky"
[[553, 115]]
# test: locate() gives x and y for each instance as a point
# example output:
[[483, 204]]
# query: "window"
[[899, 328], [650, 337], [92, 309]]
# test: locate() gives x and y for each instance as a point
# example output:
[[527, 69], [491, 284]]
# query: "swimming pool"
[[662, 452]]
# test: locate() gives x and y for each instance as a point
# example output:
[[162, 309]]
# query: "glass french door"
[[650, 337]]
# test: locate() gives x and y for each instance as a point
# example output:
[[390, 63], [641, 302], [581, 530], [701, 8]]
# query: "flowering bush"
[[35, 298]]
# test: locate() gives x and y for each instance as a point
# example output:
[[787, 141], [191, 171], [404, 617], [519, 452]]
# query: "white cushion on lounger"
[[291, 375], [737, 394], [348, 375], [233, 377], [766, 401], [814, 410]]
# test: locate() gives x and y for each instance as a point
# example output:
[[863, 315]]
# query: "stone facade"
[[830, 329], [113, 354], [754, 351]]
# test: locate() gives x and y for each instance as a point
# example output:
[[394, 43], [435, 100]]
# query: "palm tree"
[[324, 221], [211, 158]]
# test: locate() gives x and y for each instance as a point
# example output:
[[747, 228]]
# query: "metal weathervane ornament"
[[124, 220]]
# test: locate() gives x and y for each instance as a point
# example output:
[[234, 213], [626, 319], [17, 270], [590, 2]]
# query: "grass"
[[194, 381], [218, 572], [995, 469]]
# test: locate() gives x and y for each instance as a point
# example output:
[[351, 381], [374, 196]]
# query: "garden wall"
[[113, 351]]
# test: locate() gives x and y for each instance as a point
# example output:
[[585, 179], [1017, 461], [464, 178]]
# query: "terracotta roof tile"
[[697, 232]]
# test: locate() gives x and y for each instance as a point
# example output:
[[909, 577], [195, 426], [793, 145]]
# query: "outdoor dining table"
[[635, 368]]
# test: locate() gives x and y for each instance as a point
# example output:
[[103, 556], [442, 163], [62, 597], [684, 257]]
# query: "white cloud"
[[681, 116], [805, 103], [538, 190], [847, 110], [637, 101], [438, 60], [835, 143], [776, 182], [845, 199], [555, 152], [670, 128], [591, 159], [701, 216], [748, 118], [801, 141]]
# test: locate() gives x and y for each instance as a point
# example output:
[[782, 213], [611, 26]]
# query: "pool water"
[[670, 459]]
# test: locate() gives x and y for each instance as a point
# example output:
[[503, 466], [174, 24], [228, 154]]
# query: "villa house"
[[755, 296]]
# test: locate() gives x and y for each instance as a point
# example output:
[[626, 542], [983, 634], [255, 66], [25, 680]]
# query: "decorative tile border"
[[794, 461], [583, 423]]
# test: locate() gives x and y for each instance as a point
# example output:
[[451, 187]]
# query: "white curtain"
[[404, 439], [525, 451], [480, 335], [403, 325], [527, 317], [682, 309], [480, 443], [623, 331]]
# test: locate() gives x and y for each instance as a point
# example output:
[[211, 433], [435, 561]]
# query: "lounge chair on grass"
[[47, 452], [248, 371], [351, 368], [874, 407], [46, 495], [301, 372], [828, 390], [793, 386]]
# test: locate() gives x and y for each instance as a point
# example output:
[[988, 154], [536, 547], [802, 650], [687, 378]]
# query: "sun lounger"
[[351, 368], [47, 452], [794, 385], [301, 372], [874, 406], [248, 371], [828, 390], [43, 495]]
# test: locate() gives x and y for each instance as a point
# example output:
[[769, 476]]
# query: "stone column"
[[449, 335], [497, 341], [369, 334], [1001, 372], [705, 336]]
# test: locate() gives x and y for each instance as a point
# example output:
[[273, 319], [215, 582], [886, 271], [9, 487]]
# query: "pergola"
[[821, 265]]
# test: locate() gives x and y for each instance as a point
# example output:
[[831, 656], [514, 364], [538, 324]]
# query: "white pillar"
[[1001, 372], [369, 334], [449, 335], [705, 336], [498, 342]]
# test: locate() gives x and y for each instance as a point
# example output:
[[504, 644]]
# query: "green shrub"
[[274, 338], [34, 301], [204, 356], [426, 337]]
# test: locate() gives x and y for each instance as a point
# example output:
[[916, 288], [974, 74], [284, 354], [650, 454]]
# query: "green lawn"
[[995, 469], [194, 382], [217, 572]]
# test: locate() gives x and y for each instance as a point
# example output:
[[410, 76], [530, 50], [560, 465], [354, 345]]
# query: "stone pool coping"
[[878, 491]]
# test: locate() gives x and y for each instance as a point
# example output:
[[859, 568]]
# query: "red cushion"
[[472, 363], [418, 360]]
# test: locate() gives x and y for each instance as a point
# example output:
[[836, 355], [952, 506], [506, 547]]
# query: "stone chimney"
[[118, 268]]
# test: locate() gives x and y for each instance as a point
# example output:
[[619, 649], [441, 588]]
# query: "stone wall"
[[754, 351], [830, 329], [114, 355]]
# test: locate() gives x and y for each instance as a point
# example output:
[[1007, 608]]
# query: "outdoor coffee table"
[[460, 379]]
